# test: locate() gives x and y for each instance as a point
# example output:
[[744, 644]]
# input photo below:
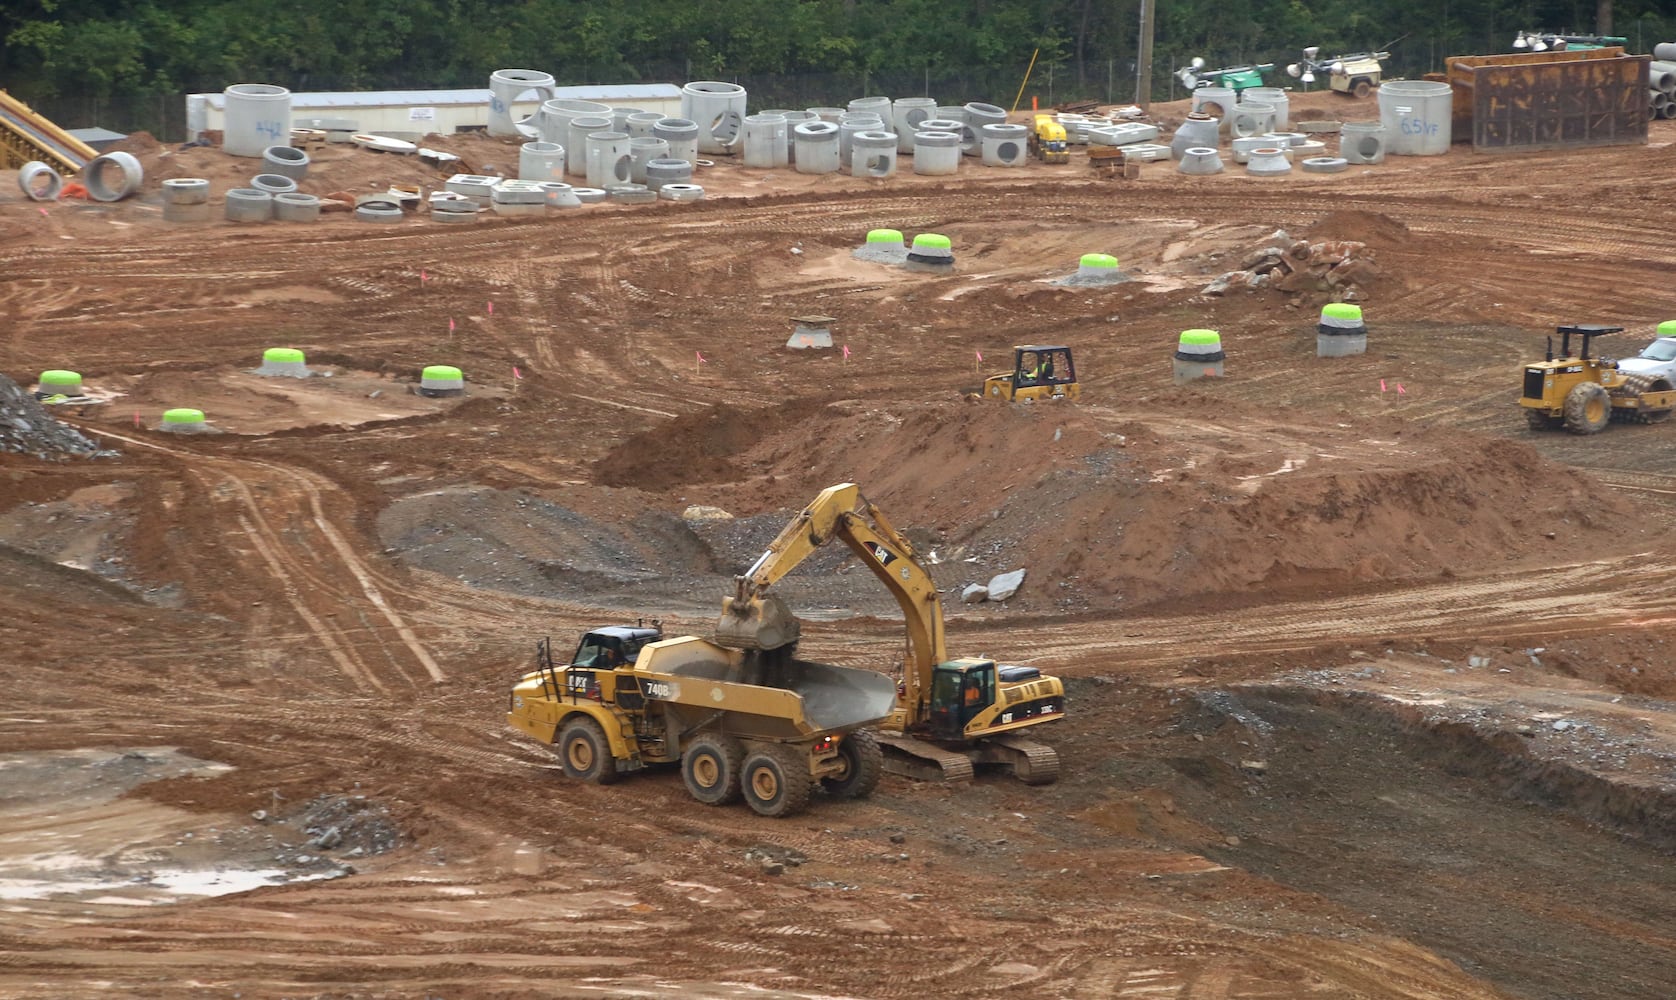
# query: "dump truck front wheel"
[[711, 768], [776, 781], [1588, 408], [584, 752], [863, 762]]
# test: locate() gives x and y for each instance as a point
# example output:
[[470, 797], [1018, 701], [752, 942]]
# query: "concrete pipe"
[[951, 113], [506, 86], [1362, 142], [589, 195], [186, 191], [249, 205], [1665, 51], [294, 206], [828, 114], [620, 118], [1199, 161], [794, 119], [609, 161], [1243, 146], [186, 213], [817, 147], [273, 183], [643, 151], [576, 147], [1275, 98], [766, 138], [1307, 148], [870, 105], [681, 192], [936, 154], [554, 123], [631, 194], [378, 211], [873, 153], [113, 176], [559, 194], [1005, 145], [641, 123], [540, 161], [257, 116], [667, 171], [682, 136], [977, 116], [1198, 130], [719, 110], [1251, 119], [39, 181], [1324, 165], [905, 114], [1219, 102], [1661, 76], [1268, 161], [287, 161], [849, 126]]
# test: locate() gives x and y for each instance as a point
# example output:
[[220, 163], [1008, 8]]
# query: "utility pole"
[[1143, 58]]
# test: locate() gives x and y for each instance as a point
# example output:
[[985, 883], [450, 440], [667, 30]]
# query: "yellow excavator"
[[951, 715]]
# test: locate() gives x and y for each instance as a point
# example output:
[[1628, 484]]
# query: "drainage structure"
[[441, 380], [1341, 331], [1198, 355], [883, 246], [931, 251], [283, 362], [505, 87]]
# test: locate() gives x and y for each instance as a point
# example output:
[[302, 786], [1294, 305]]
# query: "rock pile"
[[1343, 267], [27, 428]]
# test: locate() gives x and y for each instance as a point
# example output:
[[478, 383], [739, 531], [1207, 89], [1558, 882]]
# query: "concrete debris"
[[1343, 267], [975, 593], [699, 512], [27, 428], [1005, 585]]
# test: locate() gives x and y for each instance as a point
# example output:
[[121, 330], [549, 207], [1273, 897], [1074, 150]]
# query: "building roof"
[[603, 92]]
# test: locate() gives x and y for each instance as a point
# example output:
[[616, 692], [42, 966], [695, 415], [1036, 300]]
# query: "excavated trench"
[[1538, 875]]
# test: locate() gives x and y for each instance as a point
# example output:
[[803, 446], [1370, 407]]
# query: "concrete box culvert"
[[905, 114], [817, 147], [248, 205], [682, 136], [517, 192], [873, 154], [936, 153], [766, 141], [978, 115], [1362, 142], [643, 151], [273, 183], [576, 147], [112, 177], [681, 192], [506, 87], [186, 213], [609, 161], [667, 170], [39, 181], [1005, 145], [257, 115], [294, 206], [718, 109], [287, 161], [378, 211], [541, 161]]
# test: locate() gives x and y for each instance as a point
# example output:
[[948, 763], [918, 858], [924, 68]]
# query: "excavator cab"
[[1039, 372], [960, 691]]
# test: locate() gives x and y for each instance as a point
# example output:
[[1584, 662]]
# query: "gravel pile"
[[27, 428]]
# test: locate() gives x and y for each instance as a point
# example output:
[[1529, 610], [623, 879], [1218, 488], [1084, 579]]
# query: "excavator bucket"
[[756, 623]]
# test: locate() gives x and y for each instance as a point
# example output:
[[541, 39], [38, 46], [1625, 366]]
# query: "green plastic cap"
[[1098, 260], [1200, 337], [442, 373], [885, 236], [183, 416], [1666, 329], [1341, 310], [283, 354], [930, 240], [59, 376]]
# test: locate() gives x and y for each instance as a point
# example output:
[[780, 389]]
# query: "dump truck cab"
[[614, 645], [1040, 371]]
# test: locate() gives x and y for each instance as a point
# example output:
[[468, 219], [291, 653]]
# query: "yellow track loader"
[[1039, 372]]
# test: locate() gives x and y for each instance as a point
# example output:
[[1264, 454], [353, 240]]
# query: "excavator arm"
[[755, 619]]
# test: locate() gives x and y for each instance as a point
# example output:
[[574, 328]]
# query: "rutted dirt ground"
[[1371, 692]]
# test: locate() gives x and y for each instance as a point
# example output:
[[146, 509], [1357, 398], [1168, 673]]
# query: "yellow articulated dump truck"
[[762, 726]]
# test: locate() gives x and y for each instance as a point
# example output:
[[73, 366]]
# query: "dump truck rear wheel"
[[1588, 409], [776, 781], [864, 764], [584, 752], [711, 768]]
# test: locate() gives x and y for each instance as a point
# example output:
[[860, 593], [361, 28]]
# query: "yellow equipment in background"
[[1048, 142], [1039, 372], [1583, 394]]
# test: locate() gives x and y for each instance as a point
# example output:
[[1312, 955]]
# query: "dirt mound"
[[696, 449], [1372, 228], [27, 428]]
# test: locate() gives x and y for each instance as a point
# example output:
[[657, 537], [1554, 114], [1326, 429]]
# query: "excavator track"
[[922, 761], [1633, 387], [1032, 763]]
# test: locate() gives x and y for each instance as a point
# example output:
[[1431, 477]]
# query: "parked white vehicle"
[[1657, 358]]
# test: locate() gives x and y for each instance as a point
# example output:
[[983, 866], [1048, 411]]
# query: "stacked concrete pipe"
[[682, 136], [287, 161], [906, 113], [667, 171], [977, 116], [505, 87], [643, 151], [849, 125], [718, 109], [556, 116], [576, 148]]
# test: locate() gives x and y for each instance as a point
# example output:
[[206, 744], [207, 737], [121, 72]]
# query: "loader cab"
[[960, 691], [613, 646], [1040, 371]]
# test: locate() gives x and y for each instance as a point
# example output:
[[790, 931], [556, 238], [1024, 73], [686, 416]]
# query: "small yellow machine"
[[1583, 394], [1047, 140], [1039, 372]]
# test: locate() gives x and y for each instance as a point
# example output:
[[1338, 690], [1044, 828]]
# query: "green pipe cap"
[[59, 376], [1200, 337], [1666, 329], [183, 416], [442, 373], [1341, 310], [1098, 260], [283, 354], [930, 240], [884, 236]]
